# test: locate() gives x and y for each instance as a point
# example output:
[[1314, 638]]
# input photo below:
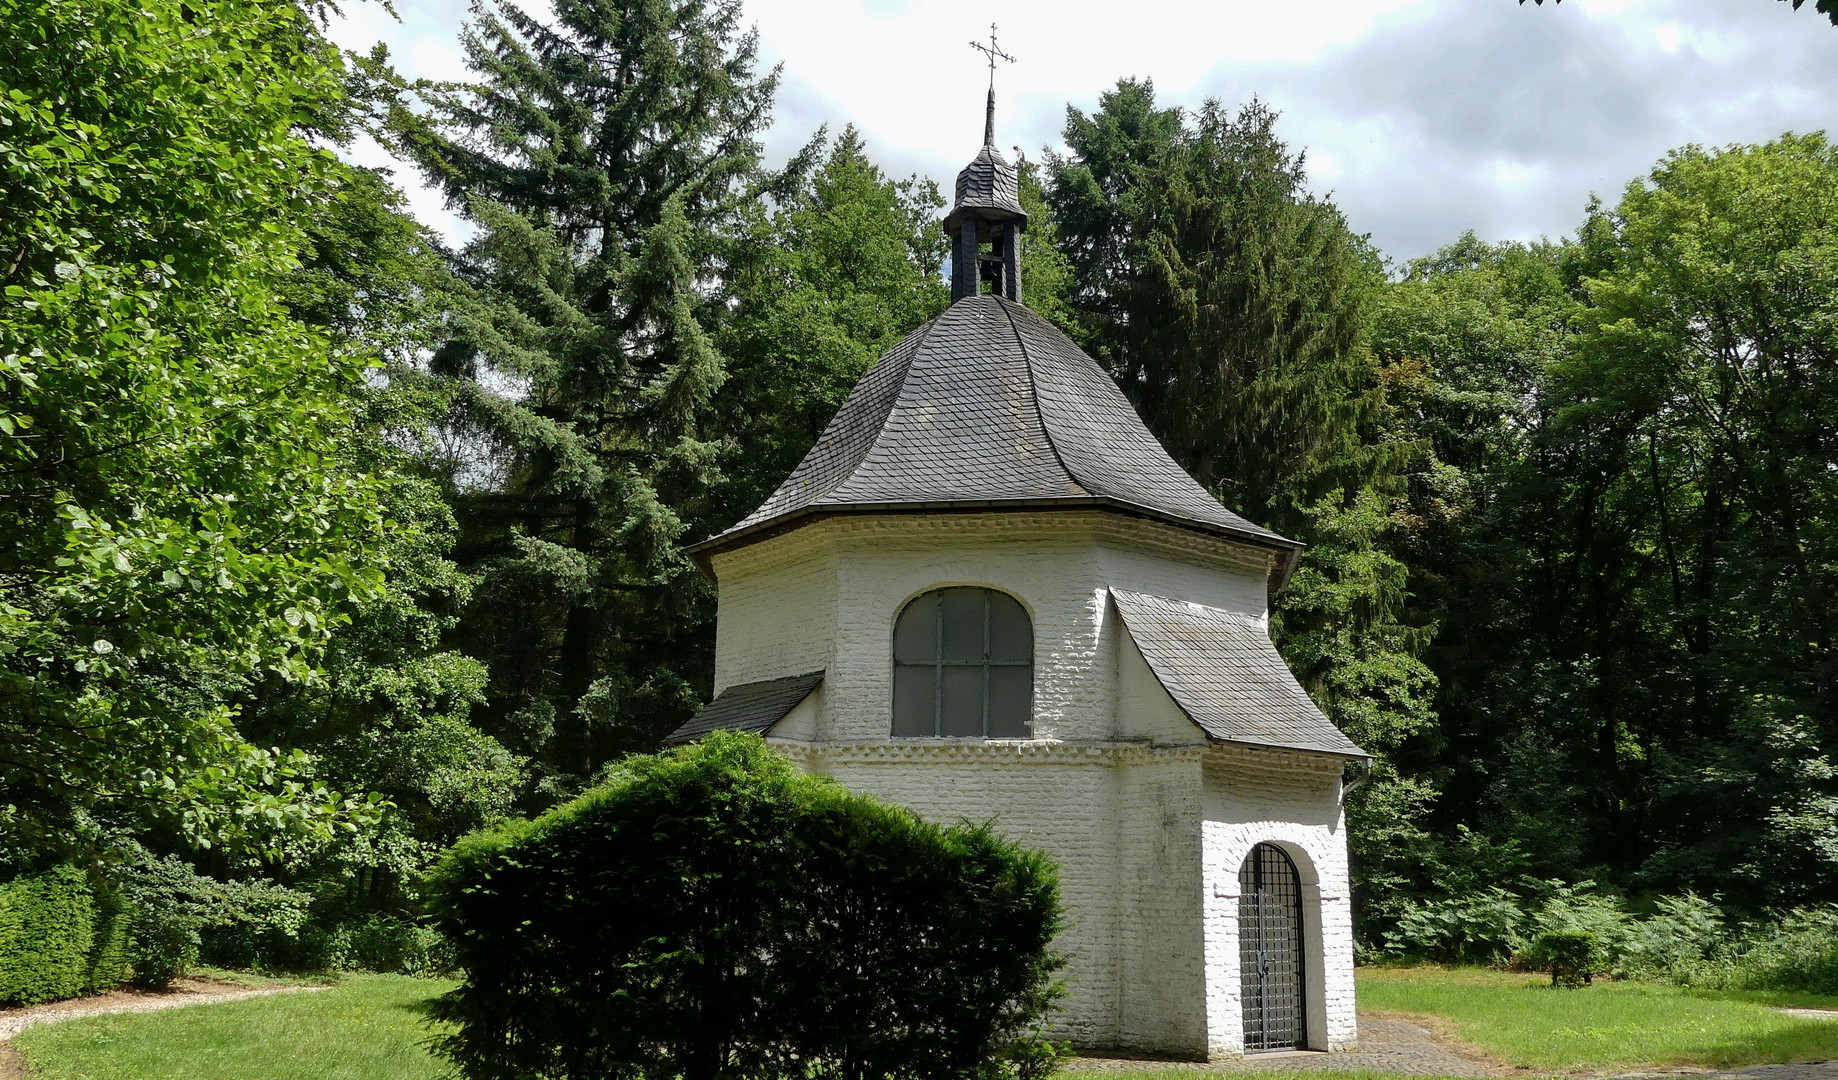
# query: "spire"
[[986, 223]]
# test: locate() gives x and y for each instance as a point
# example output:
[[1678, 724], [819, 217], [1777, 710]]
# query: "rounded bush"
[[715, 912]]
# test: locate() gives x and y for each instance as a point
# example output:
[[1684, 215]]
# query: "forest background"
[[326, 544]]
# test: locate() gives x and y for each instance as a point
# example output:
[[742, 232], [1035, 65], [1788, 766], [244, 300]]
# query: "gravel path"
[[183, 993]]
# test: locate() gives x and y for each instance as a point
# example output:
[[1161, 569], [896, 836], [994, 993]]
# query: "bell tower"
[[986, 222]]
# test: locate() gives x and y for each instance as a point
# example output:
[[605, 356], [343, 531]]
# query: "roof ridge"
[[1033, 378]]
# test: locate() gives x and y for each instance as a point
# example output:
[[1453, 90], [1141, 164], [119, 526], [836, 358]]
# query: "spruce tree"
[[598, 156]]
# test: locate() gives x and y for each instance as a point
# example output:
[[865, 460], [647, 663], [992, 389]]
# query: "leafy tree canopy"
[[179, 521]]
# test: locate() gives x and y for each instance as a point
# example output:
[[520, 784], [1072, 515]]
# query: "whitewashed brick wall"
[[1255, 795], [1147, 823]]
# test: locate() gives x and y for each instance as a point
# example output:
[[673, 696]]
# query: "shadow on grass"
[[1809, 1040], [1779, 999]]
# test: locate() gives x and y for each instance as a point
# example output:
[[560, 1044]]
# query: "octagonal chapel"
[[988, 593]]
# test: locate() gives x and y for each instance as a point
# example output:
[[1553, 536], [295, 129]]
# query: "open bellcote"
[[986, 222]]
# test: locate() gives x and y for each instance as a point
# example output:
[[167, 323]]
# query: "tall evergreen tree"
[[599, 156], [1224, 297], [1230, 305]]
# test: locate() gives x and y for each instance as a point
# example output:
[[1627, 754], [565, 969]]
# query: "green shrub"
[[47, 925], [176, 907], [715, 912], [1800, 953], [1675, 942], [1571, 956], [388, 944], [1486, 928], [111, 953]]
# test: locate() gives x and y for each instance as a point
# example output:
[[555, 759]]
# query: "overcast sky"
[[1422, 118]]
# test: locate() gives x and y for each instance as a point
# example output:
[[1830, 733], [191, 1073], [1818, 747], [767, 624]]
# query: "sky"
[[1421, 119]]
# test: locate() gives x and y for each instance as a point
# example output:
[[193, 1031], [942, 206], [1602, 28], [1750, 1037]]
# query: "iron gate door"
[[1270, 950]]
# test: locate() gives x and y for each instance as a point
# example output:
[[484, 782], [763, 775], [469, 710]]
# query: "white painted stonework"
[[1149, 819]]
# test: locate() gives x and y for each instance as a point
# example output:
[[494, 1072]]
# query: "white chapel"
[[988, 593]]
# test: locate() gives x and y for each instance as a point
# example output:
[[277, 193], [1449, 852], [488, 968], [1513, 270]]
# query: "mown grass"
[[1524, 1022], [370, 1027], [366, 1027]]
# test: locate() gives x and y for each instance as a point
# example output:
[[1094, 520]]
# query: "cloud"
[[1423, 118]]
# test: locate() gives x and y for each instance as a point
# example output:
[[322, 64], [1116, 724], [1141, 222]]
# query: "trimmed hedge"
[[47, 928], [713, 912], [111, 954]]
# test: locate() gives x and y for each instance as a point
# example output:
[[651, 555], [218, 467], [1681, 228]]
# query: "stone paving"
[[1390, 1044], [1386, 1044]]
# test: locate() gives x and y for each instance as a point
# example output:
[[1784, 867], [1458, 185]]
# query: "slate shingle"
[[1221, 669], [989, 182]]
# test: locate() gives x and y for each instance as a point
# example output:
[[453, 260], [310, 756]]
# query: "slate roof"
[[1221, 669], [753, 707], [988, 184], [989, 405]]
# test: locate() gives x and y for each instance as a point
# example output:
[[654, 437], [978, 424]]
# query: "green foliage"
[[1046, 273], [388, 944], [178, 521], [47, 927], [1572, 956], [1621, 522], [175, 907], [112, 950], [1675, 940], [827, 277], [600, 155], [1578, 931], [1800, 953], [714, 911], [1486, 927], [1224, 298], [650, 332]]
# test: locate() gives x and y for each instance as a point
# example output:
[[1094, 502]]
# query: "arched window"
[[963, 665]]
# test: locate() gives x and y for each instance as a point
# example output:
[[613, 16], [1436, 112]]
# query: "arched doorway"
[[1270, 951]]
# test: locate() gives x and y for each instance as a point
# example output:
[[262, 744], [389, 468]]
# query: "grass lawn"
[[369, 1027], [366, 1027], [1523, 1021]]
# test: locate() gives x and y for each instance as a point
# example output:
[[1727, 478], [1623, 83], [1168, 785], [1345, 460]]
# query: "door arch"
[[1270, 961]]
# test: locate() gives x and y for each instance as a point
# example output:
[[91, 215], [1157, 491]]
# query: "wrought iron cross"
[[990, 50]]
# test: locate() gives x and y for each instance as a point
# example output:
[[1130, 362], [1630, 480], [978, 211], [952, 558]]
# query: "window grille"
[[963, 666]]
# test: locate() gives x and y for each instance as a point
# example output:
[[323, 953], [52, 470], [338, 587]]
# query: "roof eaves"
[[702, 551]]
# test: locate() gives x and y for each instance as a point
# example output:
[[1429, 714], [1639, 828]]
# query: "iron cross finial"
[[993, 52]]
